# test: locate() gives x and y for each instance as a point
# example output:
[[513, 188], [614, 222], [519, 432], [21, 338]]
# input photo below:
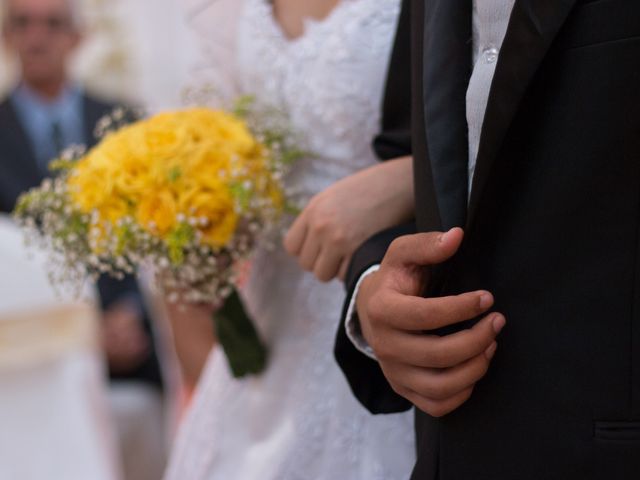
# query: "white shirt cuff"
[[352, 324]]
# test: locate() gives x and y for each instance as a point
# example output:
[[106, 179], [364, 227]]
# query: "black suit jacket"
[[552, 229], [19, 172]]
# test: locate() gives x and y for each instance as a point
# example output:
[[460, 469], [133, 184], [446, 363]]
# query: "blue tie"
[[57, 143]]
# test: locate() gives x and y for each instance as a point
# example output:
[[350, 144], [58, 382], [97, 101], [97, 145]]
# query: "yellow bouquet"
[[190, 193]]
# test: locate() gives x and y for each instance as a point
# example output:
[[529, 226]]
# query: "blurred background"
[[140, 50], [90, 388]]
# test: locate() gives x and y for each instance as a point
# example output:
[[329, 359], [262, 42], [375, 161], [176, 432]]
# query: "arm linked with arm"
[[363, 373]]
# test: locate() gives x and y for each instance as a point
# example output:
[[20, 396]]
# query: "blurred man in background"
[[45, 113]]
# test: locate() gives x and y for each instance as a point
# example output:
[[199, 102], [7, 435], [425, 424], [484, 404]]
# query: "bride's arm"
[[193, 338], [339, 219]]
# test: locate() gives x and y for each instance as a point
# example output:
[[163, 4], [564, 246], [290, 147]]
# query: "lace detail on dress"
[[299, 420], [329, 81]]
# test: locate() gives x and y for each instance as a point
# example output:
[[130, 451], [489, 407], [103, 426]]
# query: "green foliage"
[[241, 194], [292, 155], [246, 352], [177, 240], [243, 106], [125, 238], [77, 225], [61, 165], [174, 174], [24, 204]]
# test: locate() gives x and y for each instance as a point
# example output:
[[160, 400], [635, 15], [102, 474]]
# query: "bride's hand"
[[339, 219]]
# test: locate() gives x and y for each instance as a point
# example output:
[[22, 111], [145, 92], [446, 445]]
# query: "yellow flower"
[[165, 137], [185, 162], [157, 212], [114, 210], [90, 187], [215, 212], [219, 127]]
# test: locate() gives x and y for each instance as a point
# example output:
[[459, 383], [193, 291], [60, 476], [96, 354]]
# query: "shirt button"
[[490, 54]]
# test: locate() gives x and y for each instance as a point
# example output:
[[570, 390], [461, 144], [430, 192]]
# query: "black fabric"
[[394, 140], [19, 171], [364, 374], [445, 74], [553, 230]]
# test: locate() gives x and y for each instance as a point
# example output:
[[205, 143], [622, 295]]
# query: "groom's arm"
[[363, 372]]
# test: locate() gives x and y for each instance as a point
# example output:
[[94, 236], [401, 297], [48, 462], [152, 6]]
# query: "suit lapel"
[[446, 68], [532, 28]]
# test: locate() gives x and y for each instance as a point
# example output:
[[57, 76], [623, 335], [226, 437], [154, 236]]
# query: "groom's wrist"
[[352, 323]]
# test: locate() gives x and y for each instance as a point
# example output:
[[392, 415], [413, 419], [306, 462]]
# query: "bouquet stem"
[[245, 352]]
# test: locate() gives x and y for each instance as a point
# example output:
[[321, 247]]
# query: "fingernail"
[[486, 299], [491, 351], [445, 236], [498, 323]]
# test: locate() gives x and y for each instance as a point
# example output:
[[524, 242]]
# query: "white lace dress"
[[299, 420]]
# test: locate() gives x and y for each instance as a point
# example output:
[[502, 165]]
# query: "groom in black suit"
[[545, 122]]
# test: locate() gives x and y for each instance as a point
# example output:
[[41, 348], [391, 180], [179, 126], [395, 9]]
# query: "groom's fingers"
[[436, 373], [438, 408], [411, 313], [423, 248], [441, 385], [431, 351]]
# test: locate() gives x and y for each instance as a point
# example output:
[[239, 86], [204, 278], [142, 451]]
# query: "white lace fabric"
[[299, 420]]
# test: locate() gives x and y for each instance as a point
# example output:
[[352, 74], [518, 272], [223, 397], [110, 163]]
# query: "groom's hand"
[[437, 374]]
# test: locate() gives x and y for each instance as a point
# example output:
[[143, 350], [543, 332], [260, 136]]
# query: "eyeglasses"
[[53, 23]]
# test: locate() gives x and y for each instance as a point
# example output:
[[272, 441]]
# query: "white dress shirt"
[[490, 21]]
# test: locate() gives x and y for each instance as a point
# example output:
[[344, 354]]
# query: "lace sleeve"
[[215, 24]]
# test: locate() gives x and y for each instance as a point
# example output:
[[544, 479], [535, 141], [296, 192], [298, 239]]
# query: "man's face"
[[43, 35]]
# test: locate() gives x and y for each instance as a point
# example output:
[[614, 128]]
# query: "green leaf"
[[75, 225], [245, 352], [177, 240], [174, 174], [242, 106], [292, 209], [23, 205], [291, 156], [241, 194], [61, 165], [125, 237]]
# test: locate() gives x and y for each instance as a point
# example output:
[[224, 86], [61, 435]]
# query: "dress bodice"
[[328, 82]]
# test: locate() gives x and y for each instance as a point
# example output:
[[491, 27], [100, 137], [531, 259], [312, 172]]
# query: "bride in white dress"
[[299, 419]]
